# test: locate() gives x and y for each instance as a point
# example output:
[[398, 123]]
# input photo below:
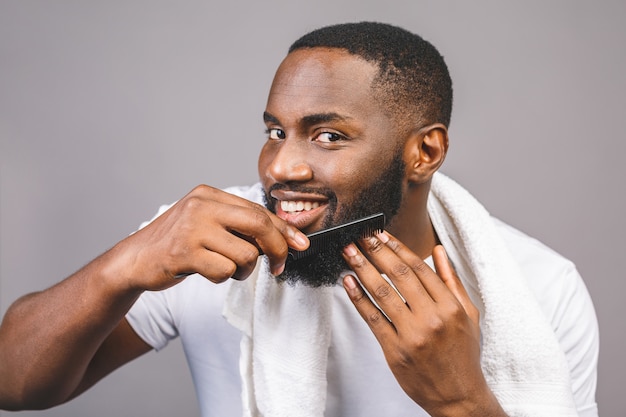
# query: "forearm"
[[47, 339]]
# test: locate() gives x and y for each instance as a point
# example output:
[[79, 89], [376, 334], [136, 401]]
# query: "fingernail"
[[349, 282], [383, 236], [278, 269], [350, 250], [300, 238]]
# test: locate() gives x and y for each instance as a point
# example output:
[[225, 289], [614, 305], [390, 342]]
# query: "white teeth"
[[297, 206]]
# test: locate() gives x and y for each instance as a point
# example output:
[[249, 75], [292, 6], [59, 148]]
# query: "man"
[[495, 324]]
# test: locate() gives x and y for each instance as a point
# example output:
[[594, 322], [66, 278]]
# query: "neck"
[[412, 225]]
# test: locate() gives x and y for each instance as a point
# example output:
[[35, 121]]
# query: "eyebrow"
[[310, 119], [268, 118]]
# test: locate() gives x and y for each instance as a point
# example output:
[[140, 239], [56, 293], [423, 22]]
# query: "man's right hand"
[[56, 343], [210, 232]]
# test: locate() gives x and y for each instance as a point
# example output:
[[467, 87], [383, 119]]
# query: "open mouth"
[[306, 212], [291, 207]]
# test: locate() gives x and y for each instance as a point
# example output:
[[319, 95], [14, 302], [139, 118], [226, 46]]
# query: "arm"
[[56, 343], [431, 342]]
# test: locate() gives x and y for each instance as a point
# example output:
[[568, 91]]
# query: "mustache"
[[270, 202], [326, 192]]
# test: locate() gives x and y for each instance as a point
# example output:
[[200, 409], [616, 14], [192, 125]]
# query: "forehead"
[[323, 80]]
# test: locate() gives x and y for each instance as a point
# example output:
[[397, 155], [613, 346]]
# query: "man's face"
[[332, 153]]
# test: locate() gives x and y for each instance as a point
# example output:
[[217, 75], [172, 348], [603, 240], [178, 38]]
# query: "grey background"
[[109, 109]]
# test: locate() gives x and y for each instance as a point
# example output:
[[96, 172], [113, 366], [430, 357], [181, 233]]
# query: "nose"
[[287, 162]]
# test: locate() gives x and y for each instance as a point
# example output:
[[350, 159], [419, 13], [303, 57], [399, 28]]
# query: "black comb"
[[364, 227]]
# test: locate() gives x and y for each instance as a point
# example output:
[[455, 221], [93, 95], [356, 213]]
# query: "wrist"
[[486, 405], [119, 271]]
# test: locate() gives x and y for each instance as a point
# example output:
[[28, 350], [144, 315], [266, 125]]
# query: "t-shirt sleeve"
[[151, 318], [566, 303], [576, 327], [155, 313]]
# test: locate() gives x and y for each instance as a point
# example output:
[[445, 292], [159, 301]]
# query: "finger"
[[271, 236], [213, 266], [414, 279], [251, 223], [233, 255], [375, 319], [240, 251], [382, 293], [452, 281], [294, 237]]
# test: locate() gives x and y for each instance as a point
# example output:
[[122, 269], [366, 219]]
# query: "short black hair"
[[413, 78]]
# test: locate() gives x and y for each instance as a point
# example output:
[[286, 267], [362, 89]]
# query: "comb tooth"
[[366, 227]]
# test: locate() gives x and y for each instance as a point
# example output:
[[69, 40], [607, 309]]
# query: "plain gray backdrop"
[[109, 109]]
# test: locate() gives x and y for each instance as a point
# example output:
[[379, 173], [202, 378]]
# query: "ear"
[[424, 152]]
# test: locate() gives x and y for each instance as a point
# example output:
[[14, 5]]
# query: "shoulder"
[[252, 192], [553, 278], [531, 254], [567, 305]]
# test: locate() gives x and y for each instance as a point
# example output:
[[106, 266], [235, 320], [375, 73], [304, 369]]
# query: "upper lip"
[[286, 195]]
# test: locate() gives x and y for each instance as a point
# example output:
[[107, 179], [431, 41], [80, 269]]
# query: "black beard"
[[384, 195]]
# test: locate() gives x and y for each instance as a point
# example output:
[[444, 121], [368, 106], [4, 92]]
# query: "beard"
[[383, 194]]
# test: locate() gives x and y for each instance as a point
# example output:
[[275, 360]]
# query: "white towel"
[[521, 358], [286, 329], [284, 348]]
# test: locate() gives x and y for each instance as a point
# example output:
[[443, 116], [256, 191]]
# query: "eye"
[[328, 137], [275, 134]]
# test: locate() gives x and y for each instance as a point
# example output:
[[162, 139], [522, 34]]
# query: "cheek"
[[346, 178]]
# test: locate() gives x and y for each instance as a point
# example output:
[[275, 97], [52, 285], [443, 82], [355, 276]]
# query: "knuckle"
[[260, 218], [436, 325], [358, 262], [177, 251], [401, 270], [373, 245], [375, 317], [457, 312], [394, 245], [229, 270], [217, 280], [203, 189], [192, 202], [242, 273], [420, 267], [359, 298], [249, 257], [383, 291], [225, 271]]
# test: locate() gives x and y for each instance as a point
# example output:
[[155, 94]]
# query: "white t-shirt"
[[359, 380]]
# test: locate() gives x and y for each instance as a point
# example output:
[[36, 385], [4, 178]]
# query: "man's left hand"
[[427, 326]]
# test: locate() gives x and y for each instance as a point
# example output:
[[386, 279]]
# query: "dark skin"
[[432, 342], [324, 126], [85, 335]]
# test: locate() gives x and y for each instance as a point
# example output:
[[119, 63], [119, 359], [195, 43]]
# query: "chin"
[[322, 270]]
